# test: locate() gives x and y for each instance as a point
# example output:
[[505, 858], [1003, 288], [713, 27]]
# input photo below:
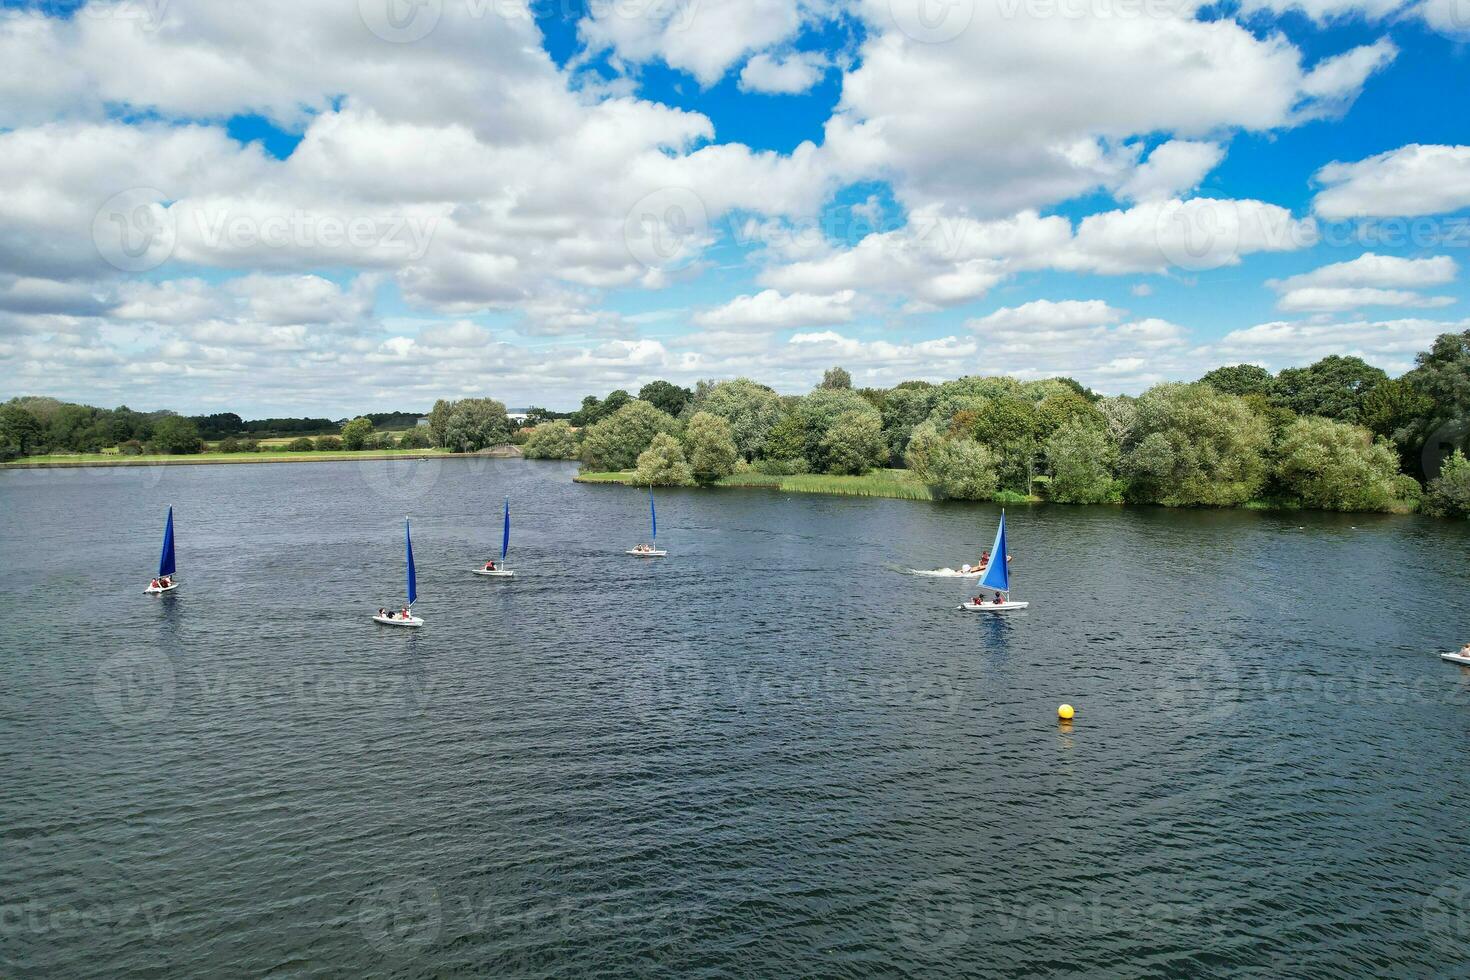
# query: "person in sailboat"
[[154, 584], [490, 566], [382, 613]]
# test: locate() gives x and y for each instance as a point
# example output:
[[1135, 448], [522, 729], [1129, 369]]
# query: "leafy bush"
[[229, 444], [963, 469], [710, 443], [781, 467], [355, 433], [301, 444], [854, 443], [1081, 458], [662, 464], [177, 436], [1196, 447], [416, 438], [616, 442], [551, 440], [1448, 494], [329, 443], [1334, 466], [130, 448]]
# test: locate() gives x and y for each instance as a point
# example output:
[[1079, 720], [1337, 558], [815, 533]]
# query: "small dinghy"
[[406, 617], [491, 569], [1456, 658], [996, 578], [651, 550], [164, 580]]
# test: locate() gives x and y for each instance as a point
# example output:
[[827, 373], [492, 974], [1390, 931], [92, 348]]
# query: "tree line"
[[1339, 434]]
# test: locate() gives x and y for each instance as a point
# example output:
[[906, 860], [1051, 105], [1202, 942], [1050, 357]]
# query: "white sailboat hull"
[[656, 553], [1456, 658], [994, 607], [494, 573], [398, 621], [160, 590]]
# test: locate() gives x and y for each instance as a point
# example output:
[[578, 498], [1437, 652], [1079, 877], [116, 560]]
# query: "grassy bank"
[[900, 484], [117, 459]]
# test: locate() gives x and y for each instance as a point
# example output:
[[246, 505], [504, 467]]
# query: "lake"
[[773, 752]]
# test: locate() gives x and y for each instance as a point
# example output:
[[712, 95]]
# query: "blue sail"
[[998, 574], [166, 557], [652, 513], [413, 588], [505, 539]]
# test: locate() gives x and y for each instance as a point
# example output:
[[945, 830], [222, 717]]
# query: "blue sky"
[[321, 207]]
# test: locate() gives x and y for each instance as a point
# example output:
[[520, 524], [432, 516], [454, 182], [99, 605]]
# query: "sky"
[[327, 207]]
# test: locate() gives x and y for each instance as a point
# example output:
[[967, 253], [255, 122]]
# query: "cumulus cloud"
[[1173, 168], [1409, 181], [770, 309], [1368, 280], [788, 75]]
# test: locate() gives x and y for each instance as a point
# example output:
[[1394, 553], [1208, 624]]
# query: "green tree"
[[20, 428], [1448, 494], [905, 407], [355, 433], [854, 443], [710, 444], [1394, 405], [176, 436], [751, 409], [439, 420], [1442, 374], [663, 464], [836, 378], [962, 469], [1333, 388], [1195, 447], [551, 440], [1007, 427], [475, 424], [919, 456], [1240, 379], [1335, 466], [616, 442], [415, 438], [816, 413], [301, 444], [665, 396], [328, 442], [1081, 457]]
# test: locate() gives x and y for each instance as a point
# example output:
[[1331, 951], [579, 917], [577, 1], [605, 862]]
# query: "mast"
[[652, 514]]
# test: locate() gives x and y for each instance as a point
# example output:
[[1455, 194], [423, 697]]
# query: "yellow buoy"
[[1065, 712]]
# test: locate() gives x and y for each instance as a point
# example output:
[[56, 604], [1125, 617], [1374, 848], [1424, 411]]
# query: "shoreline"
[[231, 459]]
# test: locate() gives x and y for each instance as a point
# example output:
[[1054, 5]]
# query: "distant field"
[[900, 484], [115, 458]]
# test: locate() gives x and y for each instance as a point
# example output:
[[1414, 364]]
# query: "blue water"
[[774, 752]]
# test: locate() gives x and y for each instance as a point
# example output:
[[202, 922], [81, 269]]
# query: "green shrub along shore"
[[1338, 435]]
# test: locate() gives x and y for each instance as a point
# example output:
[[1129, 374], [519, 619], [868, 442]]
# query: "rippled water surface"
[[773, 752]]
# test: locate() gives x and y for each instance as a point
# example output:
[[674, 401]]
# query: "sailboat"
[[491, 569], [390, 618], [164, 581], [997, 577], [650, 550]]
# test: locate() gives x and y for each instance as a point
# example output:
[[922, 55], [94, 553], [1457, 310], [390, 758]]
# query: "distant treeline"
[[1339, 434]]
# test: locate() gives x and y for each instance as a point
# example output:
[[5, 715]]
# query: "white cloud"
[[1409, 181], [1340, 298], [788, 75], [1390, 344], [1044, 314], [770, 309], [1172, 169]]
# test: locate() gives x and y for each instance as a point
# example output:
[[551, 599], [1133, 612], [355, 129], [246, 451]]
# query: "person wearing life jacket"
[[490, 566], [404, 613], [154, 584], [998, 600]]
